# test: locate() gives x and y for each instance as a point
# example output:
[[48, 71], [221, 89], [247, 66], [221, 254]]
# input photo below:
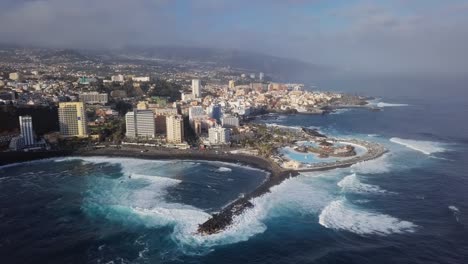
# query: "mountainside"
[[282, 68]]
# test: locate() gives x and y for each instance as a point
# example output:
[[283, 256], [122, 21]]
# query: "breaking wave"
[[161, 181], [129, 165], [425, 147], [455, 211], [352, 184], [340, 111], [375, 166], [383, 104], [339, 215], [141, 200], [224, 169], [283, 126], [291, 197]]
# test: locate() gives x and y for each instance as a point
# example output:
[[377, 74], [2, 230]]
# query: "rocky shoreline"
[[223, 219]]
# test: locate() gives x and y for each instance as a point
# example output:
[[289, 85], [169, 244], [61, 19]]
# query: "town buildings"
[[196, 88], [26, 128], [141, 79], [175, 129], [230, 121], [196, 112], [118, 78], [140, 123], [72, 119], [94, 98], [219, 135], [232, 84], [15, 76], [215, 112]]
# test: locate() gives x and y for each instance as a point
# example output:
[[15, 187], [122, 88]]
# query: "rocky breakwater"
[[222, 220]]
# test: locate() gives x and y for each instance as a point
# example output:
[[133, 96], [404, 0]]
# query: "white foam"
[[224, 169], [375, 166], [425, 147], [455, 211], [383, 104], [293, 195], [123, 201], [129, 165], [303, 195], [340, 111], [161, 181], [453, 208], [282, 126], [352, 184], [339, 215]]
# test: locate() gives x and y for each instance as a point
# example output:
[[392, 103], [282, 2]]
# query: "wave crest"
[[340, 216], [224, 169], [425, 147], [352, 184], [375, 166], [383, 104]]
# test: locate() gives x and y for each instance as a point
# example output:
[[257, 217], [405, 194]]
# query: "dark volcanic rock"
[[313, 132]]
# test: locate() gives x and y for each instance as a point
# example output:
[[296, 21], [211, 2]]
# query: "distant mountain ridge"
[[284, 69]]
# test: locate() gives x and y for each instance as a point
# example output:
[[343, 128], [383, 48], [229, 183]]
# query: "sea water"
[[408, 206]]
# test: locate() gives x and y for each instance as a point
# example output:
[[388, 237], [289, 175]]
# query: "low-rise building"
[[94, 98]]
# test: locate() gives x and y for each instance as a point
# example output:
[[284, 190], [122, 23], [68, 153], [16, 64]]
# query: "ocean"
[[409, 206]]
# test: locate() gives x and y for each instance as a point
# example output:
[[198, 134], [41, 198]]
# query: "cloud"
[[385, 36], [85, 23]]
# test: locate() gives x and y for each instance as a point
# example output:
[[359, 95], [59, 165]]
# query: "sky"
[[355, 35]]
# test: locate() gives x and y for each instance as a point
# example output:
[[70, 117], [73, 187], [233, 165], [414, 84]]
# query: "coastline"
[[221, 220]]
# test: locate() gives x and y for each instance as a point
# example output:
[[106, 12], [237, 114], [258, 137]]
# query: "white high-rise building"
[[219, 135], [175, 129], [140, 123], [261, 76], [27, 132], [196, 88]]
